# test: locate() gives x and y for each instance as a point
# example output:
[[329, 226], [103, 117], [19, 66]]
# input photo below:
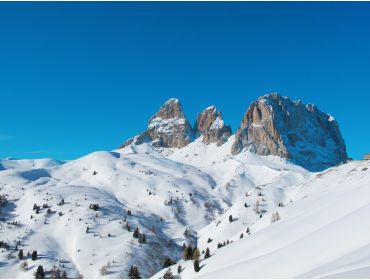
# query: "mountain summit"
[[276, 125], [272, 125], [168, 128]]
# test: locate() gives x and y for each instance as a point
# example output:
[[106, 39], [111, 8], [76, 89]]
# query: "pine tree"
[[136, 233], [241, 235], [179, 269], [20, 254], [207, 254], [64, 275], [196, 266], [40, 274], [134, 273], [188, 253], [34, 255], [168, 275], [196, 254], [230, 218], [168, 262]]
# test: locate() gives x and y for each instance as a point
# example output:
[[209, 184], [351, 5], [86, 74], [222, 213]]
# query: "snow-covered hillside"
[[322, 229], [322, 232]]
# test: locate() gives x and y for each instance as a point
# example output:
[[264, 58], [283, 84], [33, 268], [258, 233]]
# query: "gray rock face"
[[276, 125], [210, 124], [168, 128]]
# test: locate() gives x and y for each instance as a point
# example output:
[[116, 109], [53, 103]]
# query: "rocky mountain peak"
[[168, 128], [170, 109], [210, 124], [276, 125]]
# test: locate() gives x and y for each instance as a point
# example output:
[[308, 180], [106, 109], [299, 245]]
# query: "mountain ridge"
[[272, 125]]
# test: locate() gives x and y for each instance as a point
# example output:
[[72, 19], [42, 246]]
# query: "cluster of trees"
[[36, 208], [3, 200], [4, 245], [55, 273], [190, 253], [94, 207], [219, 244], [134, 273], [140, 236]]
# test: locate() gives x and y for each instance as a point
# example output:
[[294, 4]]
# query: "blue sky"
[[77, 77]]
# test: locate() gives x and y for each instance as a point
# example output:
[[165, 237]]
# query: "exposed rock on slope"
[[169, 128], [276, 125], [210, 124]]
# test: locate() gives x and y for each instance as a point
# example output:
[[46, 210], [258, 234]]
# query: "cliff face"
[[211, 125], [276, 125]]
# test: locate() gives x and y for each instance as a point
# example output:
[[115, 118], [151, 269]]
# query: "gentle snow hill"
[[323, 233], [164, 196]]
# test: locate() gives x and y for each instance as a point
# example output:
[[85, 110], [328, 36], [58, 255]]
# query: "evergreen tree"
[[34, 255], [196, 266], [168, 262], [134, 273], [179, 269], [188, 253], [20, 254], [230, 218], [40, 274], [196, 254], [136, 233], [168, 275], [207, 254], [241, 235]]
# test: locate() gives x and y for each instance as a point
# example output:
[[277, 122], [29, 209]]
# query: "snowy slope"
[[323, 233], [165, 198]]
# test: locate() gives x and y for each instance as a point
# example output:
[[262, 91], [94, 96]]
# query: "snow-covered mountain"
[[101, 215]]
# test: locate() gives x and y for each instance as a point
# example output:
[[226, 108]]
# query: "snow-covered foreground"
[[322, 233], [322, 230]]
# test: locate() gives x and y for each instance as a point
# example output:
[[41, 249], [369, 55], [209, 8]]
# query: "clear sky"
[[80, 77]]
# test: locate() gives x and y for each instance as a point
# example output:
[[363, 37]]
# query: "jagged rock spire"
[[210, 124]]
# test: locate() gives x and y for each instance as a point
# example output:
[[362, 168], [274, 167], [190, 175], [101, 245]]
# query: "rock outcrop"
[[168, 128], [276, 125], [210, 124]]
